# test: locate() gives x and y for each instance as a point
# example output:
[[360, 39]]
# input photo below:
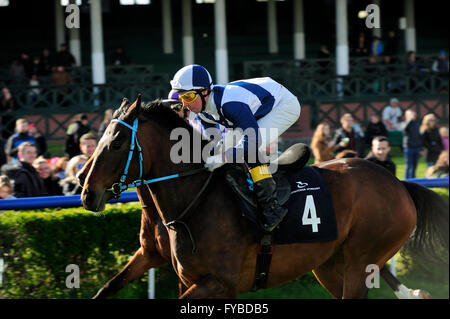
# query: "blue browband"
[[118, 188]]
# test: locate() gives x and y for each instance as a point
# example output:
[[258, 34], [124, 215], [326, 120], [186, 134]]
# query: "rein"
[[118, 188], [121, 186]]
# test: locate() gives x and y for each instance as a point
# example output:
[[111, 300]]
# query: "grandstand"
[[259, 42]]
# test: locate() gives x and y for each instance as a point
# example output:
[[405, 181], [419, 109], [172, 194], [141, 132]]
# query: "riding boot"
[[266, 194]]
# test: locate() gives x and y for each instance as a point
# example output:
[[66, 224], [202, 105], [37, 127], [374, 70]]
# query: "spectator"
[[376, 47], [412, 143], [88, 143], [346, 138], [322, 145], [70, 185], [27, 182], [51, 182], [106, 120], [45, 62], [6, 188], [375, 128], [388, 64], [64, 58], [59, 169], [8, 105], [3, 158], [346, 154], [40, 140], [325, 55], [443, 132], [61, 77], [74, 132], [441, 64], [26, 63], [35, 91], [119, 57], [411, 65], [22, 135], [361, 46], [431, 139], [35, 65], [17, 71], [391, 115], [391, 47], [440, 169], [379, 153]]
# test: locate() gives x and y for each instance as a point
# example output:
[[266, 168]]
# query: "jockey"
[[252, 105]]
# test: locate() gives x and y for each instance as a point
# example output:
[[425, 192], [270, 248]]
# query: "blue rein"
[[118, 188]]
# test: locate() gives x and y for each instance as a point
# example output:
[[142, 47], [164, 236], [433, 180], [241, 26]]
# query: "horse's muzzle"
[[93, 200]]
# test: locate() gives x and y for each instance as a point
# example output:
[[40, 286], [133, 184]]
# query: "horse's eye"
[[115, 145]]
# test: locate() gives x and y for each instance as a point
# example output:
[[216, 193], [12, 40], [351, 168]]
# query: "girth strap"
[[263, 261]]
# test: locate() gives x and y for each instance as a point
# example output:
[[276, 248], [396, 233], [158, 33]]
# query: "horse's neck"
[[172, 196]]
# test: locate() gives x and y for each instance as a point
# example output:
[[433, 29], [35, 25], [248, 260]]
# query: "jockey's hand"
[[214, 162]]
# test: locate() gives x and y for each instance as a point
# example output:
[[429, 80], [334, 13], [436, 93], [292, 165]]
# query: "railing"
[[75, 201], [327, 67], [83, 74]]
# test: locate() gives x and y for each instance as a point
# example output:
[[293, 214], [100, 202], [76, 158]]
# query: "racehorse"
[[375, 213]]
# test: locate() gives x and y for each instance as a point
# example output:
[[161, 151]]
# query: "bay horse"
[[375, 213]]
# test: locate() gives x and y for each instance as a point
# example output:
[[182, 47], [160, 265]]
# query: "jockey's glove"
[[214, 162]]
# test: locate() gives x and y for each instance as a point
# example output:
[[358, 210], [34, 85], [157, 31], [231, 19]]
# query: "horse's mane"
[[156, 110], [164, 115]]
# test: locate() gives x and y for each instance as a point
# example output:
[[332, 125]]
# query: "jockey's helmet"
[[191, 77]]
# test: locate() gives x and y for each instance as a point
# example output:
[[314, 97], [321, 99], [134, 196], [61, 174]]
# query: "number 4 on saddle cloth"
[[302, 190]]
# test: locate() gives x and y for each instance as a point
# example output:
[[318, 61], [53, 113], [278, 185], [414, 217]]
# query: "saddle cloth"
[[311, 216]]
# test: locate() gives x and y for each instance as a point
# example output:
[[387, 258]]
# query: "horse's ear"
[[124, 102], [133, 110]]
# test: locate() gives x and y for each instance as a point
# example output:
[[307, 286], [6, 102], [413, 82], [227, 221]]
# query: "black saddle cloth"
[[302, 190]]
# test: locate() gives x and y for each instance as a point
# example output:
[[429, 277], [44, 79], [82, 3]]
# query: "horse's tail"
[[430, 238]]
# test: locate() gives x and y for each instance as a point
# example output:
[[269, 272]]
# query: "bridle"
[[117, 188], [121, 186]]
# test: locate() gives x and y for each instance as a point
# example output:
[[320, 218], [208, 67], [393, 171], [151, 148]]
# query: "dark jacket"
[[42, 145], [356, 142], [74, 133], [52, 186], [15, 140], [27, 182], [387, 164], [432, 142], [411, 135], [374, 130]]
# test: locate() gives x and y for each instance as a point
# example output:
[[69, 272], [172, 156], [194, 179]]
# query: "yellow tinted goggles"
[[188, 96]]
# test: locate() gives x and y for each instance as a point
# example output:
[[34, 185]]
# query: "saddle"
[[238, 178]]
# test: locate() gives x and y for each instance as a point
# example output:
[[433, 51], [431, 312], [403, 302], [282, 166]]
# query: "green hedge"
[[38, 245]]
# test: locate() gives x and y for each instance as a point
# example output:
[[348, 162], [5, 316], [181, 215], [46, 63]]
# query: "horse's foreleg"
[[207, 288], [136, 267]]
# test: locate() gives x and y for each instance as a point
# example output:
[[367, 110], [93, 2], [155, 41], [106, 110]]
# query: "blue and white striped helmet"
[[191, 77]]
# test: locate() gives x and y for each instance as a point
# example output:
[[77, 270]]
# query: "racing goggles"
[[177, 107], [188, 96]]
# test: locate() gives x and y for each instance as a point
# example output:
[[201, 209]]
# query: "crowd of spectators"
[[27, 168], [420, 139]]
